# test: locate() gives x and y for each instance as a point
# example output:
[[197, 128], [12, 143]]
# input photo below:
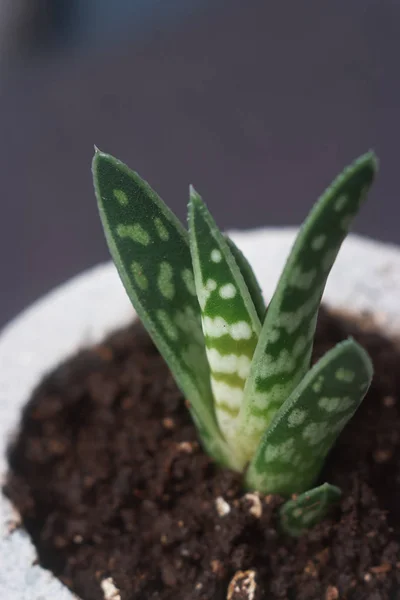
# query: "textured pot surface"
[[366, 276]]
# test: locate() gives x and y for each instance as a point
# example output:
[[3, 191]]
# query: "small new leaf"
[[151, 252], [230, 322], [308, 508], [282, 356], [293, 449]]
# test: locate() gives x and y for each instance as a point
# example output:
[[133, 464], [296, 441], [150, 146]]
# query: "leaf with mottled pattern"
[[230, 322], [308, 509], [250, 279], [282, 356], [151, 252], [292, 450]]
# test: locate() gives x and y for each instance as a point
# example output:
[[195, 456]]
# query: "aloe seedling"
[[244, 371]]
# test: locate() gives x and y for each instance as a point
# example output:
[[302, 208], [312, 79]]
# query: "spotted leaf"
[[151, 251], [292, 450], [308, 509], [250, 279], [282, 356], [230, 322]]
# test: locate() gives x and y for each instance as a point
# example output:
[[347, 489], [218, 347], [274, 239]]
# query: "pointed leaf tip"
[[371, 158], [192, 191], [98, 156], [368, 160]]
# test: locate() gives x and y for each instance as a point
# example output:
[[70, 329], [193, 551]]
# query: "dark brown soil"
[[111, 483]]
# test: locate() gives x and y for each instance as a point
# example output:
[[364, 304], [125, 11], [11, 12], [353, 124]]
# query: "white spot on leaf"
[[216, 327], [227, 394], [274, 336], [260, 400], [188, 322], [329, 404], [336, 404], [227, 291], [216, 256], [282, 452], [121, 197], [167, 324], [134, 232], [188, 279], [139, 276], [162, 231], [318, 384], [302, 279], [228, 363], [346, 375], [314, 433], [241, 331], [283, 363], [292, 320], [205, 292], [296, 417], [318, 242], [340, 202], [165, 280], [346, 403], [299, 345]]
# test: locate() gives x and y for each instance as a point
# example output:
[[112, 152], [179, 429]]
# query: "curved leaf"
[[151, 252], [230, 322], [293, 449], [282, 356]]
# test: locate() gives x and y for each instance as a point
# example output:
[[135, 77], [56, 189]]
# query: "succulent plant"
[[245, 371]]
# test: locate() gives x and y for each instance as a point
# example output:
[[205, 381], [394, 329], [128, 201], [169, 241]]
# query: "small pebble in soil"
[[254, 502], [222, 506], [389, 401], [332, 593], [242, 586], [111, 592]]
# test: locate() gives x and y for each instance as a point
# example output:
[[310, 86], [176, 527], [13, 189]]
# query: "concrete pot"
[[366, 276]]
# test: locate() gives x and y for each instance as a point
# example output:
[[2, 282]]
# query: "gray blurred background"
[[257, 103]]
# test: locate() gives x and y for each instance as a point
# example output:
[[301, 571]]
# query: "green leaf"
[[249, 278], [151, 252], [282, 356], [293, 449], [308, 508], [230, 322]]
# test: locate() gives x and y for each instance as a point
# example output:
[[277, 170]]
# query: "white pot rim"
[[366, 276]]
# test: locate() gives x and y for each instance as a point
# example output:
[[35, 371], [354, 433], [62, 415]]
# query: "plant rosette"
[[365, 277]]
